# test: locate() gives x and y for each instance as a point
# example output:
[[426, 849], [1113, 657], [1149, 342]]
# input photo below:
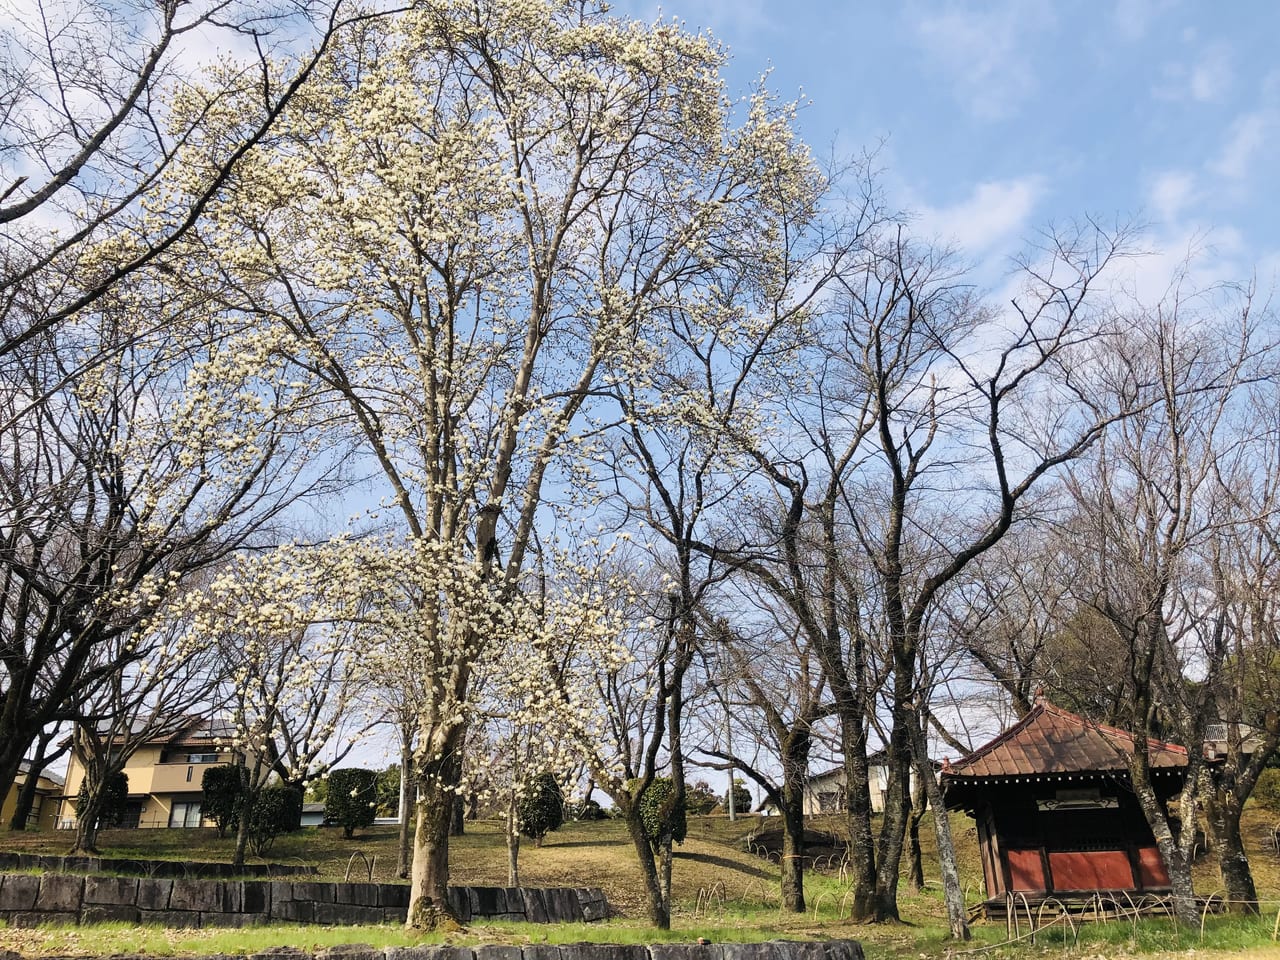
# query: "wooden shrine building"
[[1055, 810]]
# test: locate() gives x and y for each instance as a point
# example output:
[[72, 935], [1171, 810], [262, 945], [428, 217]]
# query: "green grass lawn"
[[720, 891]]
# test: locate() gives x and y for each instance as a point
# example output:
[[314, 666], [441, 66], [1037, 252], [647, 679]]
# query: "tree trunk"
[[11, 754], [513, 843], [1222, 821], [795, 770], [27, 796], [1176, 860], [242, 836], [664, 876], [952, 892], [793, 850], [408, 794], [87, 823], [659, 909], [429, 877], [26, 799], [914, 856], [894, 827], [456, 820], [862, 851], [248, 797], [915, 860]]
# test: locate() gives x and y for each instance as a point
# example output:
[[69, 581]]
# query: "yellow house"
[[44, 809], [165, 777]]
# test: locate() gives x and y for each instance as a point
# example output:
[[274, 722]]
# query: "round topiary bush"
[[352, 799], [541, 807], [220, 796]]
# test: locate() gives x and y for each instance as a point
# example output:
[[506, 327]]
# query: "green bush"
[[541, 808], [389, 791], [699, 798], [658, 814], [741, 798], [1266, 793], [277, 810], [352, 798], [220, 796], [115, 798], [590, 810]]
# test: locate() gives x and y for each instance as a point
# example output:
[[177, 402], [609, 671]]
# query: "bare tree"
[[1146, 503], [89, 136], [118, 489], [778, 691], [913, 450], [167, 683]]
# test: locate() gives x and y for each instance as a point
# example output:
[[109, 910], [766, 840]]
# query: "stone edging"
[[149, 868], [29, 900]]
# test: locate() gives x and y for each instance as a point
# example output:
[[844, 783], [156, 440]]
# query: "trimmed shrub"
[[658, 814], [590, 810], [352, 799], [221, 796], [115, 799], [277, 810], [541, 808], [741, 798]]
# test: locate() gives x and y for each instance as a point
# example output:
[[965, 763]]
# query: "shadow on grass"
[[549, 845], [726, 863]]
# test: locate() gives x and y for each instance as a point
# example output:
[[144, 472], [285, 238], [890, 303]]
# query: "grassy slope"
[[709, 865]]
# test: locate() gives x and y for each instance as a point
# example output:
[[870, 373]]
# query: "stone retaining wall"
[[29, 899], [149, 868], [771, 950]]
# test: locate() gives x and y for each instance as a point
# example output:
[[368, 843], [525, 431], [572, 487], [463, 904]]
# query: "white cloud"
[[1211, 77], [994, 213], [1132, 18], [1245, 139], [1170, 193], [1208, 79], [988, 53]]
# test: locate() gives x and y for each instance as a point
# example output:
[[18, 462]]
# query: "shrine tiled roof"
[[1050, 740]]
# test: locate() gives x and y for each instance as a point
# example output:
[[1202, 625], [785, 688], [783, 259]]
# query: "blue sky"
[[1000, 118]]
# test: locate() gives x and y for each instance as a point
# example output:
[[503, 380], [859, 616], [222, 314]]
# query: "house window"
[[185, 814], [202, 758]]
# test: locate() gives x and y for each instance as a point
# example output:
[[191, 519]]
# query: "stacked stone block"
[[148, 868], [27, 899]]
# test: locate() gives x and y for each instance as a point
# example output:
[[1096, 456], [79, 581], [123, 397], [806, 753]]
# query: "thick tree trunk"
[[1177, 860], [793, 851], [664, 877], [894, 827], [26, 799], [862, 851], [795, 769], [87, 814], [30, 786], [1222, 819], [659, 908], [429, 878]]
